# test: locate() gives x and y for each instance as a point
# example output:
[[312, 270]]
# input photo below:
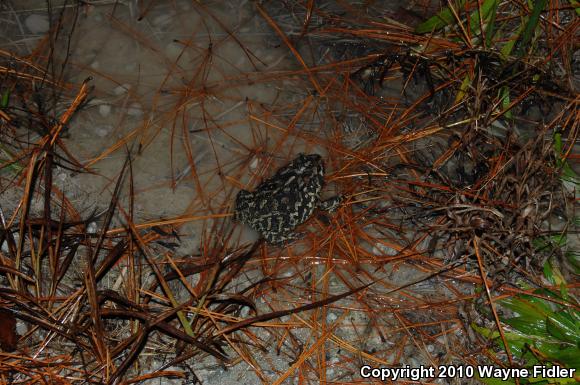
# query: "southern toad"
[[286, 200]]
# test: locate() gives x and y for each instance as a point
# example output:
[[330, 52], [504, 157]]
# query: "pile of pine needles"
[[452, 143]]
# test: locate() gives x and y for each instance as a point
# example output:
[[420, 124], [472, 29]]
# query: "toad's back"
[[284, 201]]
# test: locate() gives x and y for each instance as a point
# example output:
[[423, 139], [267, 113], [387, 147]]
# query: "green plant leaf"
[[508, 47], [566, 355], [485, 331], [555, 277], [524, 325], [504, 94], [527, 306], [549, 273], [523, 44], [551, 294], [576, 6], [569, 357], [550, 242], [541, 328], [568, 174], [490, 31], [562, 326], [574, 259], [443, 18], [558, 147], [5, 99], [541, 380], [486, 8], [575, 315], [464, 86]]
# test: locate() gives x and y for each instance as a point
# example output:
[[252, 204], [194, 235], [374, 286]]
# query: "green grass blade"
[[490, 32], [442, 19], [574, 259], [508, 47], [486, 8], [5, 99], [531, 26], [504, 94], [576, 5], [568, 174]]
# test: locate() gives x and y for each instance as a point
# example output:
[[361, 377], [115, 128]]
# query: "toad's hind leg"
[[278, 239], [330, 204]]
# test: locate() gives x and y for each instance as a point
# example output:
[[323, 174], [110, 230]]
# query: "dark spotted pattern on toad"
[[281, 203]]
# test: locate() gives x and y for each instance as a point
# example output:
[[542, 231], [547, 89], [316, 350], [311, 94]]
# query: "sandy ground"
[[183, 88]]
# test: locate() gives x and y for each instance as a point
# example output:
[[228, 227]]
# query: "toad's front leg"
[[330, 204]]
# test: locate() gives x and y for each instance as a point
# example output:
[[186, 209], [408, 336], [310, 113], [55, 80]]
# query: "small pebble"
[[92, 228], [5, 248], [413, 362], [245, 312], [103, 131], [254, 164], [331, 317], [333, 360], [382, 250], [21, 328], [36, 23], [162, 20], [135, 109], [95, 65], [104, 110]]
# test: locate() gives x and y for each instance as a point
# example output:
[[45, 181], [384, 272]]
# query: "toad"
[[286, 200]]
